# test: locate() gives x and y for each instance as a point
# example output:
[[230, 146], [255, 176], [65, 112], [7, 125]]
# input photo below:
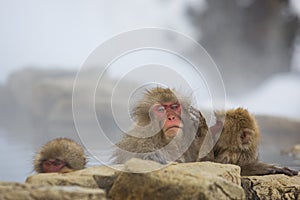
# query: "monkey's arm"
[[142, 148], [259, 169], [204, 140]]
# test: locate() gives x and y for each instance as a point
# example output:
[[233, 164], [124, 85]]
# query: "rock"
[[226, 171], [293, 152], [102, 170], [200, 180], [103, 175], [48, 94], [284, 132], [83, 178], [12, 191], [67, 179], [272, 187], [38, 90], [141, 179]]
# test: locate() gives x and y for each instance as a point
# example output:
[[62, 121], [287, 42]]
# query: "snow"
[[278, 95]]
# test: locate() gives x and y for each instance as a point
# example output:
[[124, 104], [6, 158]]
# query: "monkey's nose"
[[171, 118]]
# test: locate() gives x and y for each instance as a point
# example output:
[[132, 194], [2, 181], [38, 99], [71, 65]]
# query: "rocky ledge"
[[201, 180]]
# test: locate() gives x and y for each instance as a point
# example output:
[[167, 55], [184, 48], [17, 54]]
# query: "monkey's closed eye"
[[159, 108], [58, 162], [175, 106]]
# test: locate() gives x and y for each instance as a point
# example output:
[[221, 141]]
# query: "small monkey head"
[[58, 155]]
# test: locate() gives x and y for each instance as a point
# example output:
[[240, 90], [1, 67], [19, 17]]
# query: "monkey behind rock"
[[239, 139], [59, 155], [238, 143], [167, 129]]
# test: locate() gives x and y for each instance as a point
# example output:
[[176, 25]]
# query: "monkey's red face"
[[53, 165], [168, 113]]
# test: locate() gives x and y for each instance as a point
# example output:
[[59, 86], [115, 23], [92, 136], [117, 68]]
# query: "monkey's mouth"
[[173, 127]]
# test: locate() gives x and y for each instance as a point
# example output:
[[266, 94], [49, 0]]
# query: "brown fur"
[[229, 147], [238, 144], [140, 142], [63, 149]]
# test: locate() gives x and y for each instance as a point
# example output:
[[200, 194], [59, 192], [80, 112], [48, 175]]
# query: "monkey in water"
[[60, 155], [238, 143], [167, 128]]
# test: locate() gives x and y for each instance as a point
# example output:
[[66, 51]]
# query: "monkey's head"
[[58, 155], [240, 135], [163, 108]]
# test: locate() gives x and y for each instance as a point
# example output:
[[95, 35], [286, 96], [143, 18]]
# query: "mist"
[[49, 53]]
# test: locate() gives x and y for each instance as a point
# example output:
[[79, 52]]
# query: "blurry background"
[[255, 44]]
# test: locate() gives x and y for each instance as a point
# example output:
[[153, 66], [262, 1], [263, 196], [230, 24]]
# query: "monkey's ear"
[[246, 135]]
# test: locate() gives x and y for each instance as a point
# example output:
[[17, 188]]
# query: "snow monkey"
[[59, 155], [167, 129], [238, 143]]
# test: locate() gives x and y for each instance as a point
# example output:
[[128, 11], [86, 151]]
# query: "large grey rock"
[[202, 180], [272, 187], [18, 191]]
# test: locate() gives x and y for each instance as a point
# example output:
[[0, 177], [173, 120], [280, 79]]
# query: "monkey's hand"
[[284, 170], [197, 116]]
